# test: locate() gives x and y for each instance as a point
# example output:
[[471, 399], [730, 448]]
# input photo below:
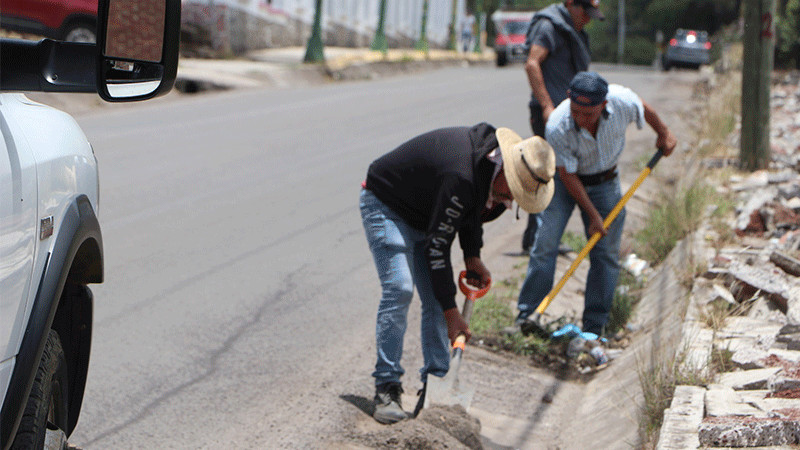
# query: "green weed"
[[626, 297], [574, 240], [670, 220]]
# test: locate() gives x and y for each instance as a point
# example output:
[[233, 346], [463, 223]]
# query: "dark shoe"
[[522, 317], [388, 407]]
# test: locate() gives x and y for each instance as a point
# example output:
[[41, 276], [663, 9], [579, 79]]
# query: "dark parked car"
[[688, 48], [65, 20]]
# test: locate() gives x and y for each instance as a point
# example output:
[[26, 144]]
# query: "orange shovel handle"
[[471, 292]]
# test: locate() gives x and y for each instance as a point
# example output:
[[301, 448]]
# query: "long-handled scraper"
[[534, 322]]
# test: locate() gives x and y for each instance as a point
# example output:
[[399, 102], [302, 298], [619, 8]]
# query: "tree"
[[422, 42], [379, 43], [314, 51], [787, 47]]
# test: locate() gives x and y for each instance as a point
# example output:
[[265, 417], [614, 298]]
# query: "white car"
[[50, 242]]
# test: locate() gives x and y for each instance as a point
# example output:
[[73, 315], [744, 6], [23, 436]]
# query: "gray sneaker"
[[388, 407]]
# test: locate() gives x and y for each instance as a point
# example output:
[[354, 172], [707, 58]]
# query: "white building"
[[236, 26]]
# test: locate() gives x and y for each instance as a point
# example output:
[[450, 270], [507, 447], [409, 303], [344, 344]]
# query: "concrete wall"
[[236, 26]]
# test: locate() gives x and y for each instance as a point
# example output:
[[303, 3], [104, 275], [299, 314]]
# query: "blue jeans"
[[604, 257], [398, 253]]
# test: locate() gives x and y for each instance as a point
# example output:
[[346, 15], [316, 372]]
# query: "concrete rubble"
[[754, 399]]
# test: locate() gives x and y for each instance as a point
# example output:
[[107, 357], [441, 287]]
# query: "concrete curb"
[[738, 411], [284, 67]]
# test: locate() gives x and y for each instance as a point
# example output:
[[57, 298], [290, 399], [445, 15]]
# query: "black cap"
[[588, 89], [591, 8]]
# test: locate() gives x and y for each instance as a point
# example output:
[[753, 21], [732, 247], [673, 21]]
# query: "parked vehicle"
[[51, 246], [688, 48], [66, 20], [509, 42]]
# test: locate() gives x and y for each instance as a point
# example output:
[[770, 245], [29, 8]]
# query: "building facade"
[[236, 26]]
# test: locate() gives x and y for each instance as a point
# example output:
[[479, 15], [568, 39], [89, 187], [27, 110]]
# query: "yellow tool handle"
[[596, 237]]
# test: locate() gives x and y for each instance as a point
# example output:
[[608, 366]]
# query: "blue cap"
[[588, 89]]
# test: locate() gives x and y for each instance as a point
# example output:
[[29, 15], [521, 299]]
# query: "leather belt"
[[597, 178]]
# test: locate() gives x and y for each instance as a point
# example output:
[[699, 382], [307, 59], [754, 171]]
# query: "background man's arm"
[[533, 67]]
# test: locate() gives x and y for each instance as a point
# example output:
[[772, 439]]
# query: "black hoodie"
[[438, 183]]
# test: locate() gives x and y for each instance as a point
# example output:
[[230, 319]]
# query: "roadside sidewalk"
[[284, 67]]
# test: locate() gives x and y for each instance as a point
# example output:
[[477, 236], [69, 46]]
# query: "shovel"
[[448, 390], [534, 322]]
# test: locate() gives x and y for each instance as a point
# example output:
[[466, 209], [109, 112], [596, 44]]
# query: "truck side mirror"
[[137, 48]]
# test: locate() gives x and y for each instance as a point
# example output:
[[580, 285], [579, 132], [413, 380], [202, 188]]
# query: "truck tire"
[[47, 405], [501, 59], [82, 31]]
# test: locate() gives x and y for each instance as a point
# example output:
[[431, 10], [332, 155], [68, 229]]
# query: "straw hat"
[[529, 166]]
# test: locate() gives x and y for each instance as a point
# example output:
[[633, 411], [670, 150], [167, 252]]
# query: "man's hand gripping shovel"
[[449, 390], [534, 323]]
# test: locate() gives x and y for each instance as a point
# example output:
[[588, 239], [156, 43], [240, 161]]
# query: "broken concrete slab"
[[764, 278], [748, 379], [762, 309], [723, 401], [746, 326], [682, 419], [735, 433], [749, 358], [782, 382], [792, 341], [791, 356], [789, 264]]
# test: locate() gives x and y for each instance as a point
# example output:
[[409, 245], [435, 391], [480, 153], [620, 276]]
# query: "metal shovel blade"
[[448, 390]]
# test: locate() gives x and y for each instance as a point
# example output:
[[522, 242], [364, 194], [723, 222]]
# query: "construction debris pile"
[[752, 358]]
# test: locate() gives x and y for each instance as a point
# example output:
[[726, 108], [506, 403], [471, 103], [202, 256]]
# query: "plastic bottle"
[[599, 355]]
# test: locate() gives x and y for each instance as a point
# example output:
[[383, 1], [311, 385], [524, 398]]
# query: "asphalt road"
[[240, 295]]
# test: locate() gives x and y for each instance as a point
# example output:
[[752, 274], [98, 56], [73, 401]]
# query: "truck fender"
[[78, 226]]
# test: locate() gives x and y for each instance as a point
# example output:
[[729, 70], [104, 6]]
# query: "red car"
[[66, 20], [509, 42]]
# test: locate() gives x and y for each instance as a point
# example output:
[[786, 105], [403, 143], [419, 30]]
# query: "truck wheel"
[[501, 59], [81, 32], [665, 64], [45, 416]]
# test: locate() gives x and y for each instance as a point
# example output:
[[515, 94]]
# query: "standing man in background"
[[558, 48]]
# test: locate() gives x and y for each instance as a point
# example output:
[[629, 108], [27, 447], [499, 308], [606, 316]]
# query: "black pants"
[[537, 126]]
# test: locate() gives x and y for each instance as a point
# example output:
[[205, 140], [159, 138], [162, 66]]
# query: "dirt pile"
[[437, 427]]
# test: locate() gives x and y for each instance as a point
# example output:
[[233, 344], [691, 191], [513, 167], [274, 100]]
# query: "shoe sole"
[[386, 420]]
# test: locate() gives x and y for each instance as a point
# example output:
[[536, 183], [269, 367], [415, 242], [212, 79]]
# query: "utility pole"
[[422, 43], [621, 29], [478, 26], [314, 53], [453, 39], [759, 45], [379, 43]]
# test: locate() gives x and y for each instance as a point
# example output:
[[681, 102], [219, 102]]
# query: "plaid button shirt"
[[577, 150]]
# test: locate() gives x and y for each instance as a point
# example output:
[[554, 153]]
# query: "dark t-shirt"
[[568, 50]]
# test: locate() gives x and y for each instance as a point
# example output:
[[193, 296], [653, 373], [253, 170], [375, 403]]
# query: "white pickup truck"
[[50, 242]]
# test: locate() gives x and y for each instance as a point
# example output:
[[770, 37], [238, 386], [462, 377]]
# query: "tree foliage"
[[787, 47]]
